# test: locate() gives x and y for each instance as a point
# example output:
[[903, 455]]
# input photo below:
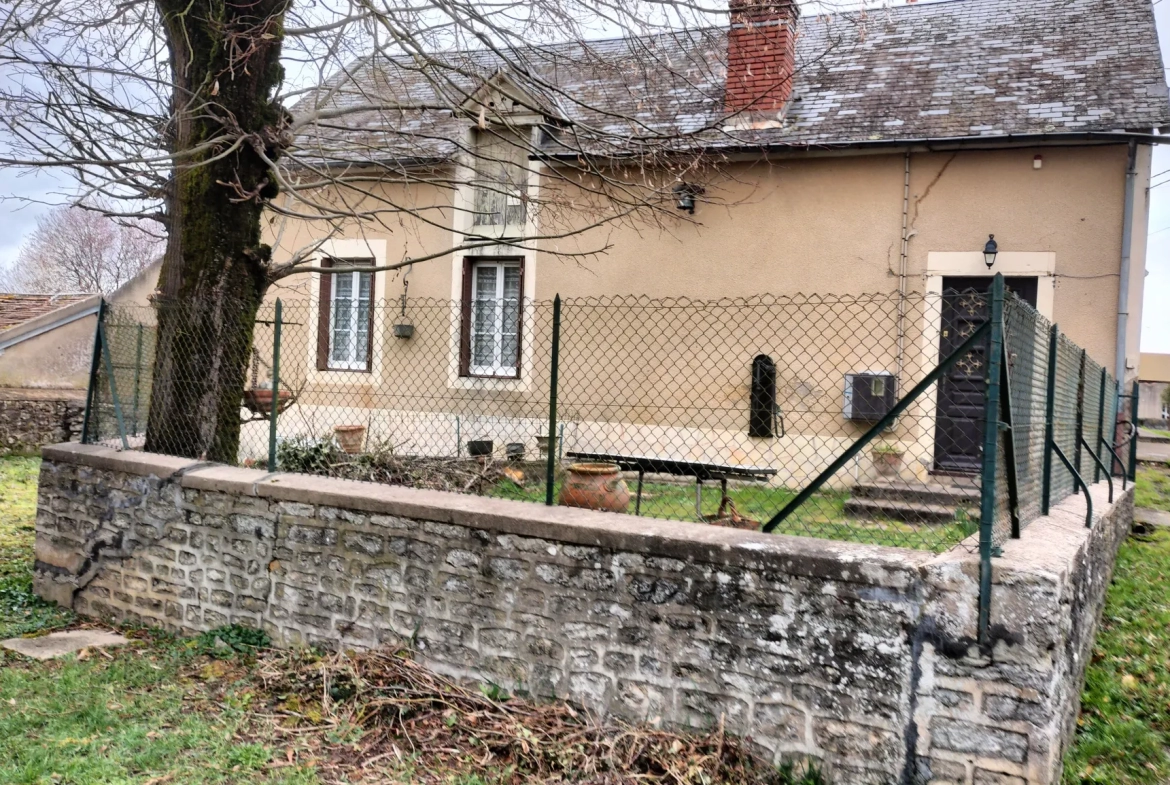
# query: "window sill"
[[490, 383]]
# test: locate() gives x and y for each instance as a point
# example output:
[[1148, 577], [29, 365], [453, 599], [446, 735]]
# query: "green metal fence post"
[[1009, 453], [137, 380], [1049, 415], [94, 364], [1080, 420], [990, 453], [554, 367], [108, 363], [1100, 429], [1133, 442], [275, 388]]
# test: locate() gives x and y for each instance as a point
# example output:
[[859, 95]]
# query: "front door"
[[958, 439]]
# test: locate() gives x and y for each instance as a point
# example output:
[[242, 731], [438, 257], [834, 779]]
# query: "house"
[[1153, 382], [46, 348], [874, 152]]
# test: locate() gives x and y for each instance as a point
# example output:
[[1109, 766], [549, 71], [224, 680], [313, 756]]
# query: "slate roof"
[[929, 70], [16, 309]]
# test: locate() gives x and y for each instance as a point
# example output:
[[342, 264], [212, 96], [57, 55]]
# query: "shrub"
[[308, 454]]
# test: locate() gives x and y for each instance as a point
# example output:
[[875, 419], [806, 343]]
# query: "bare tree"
[[217, 117], [79, 250]]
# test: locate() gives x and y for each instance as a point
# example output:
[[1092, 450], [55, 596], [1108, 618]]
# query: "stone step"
[[963, 492], [906, 511]]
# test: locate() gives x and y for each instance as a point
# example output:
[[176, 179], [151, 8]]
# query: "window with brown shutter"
[[492, 315], [345, 321]]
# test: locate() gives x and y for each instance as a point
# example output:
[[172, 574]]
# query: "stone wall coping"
[[97, 457], [873, 565], [1047, 550]]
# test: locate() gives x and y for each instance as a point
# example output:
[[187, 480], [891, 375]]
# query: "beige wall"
[[59, 358], [1154, 367], [833, 225]]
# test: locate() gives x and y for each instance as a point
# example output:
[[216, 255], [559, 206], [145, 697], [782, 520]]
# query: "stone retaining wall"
[[30, 419], [860, 656]]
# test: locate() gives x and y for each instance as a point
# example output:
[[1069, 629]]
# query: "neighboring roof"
[[930, 70], [16, 309], [1154, 367]]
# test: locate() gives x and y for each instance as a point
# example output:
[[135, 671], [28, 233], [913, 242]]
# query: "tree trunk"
[[225, 64]]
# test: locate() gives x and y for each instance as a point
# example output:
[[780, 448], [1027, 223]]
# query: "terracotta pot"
[[260, 400], [887, 463], [595, 486], [350, 438]]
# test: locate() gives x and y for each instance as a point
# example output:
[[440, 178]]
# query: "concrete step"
[[963, 491], [906, 511]]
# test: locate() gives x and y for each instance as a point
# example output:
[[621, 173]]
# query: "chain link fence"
[[846, 417]]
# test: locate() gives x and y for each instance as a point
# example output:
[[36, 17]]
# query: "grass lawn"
[[21, 611], [822, 516], [1123, 735], [1153, 487]]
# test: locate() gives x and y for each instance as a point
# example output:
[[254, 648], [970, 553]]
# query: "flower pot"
[[887, 464], [514, 452], [595, 486], [403, 331], [542, 446], [259, 400], [478, 448], [350, 438]]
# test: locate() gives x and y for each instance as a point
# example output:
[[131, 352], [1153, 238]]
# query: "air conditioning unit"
[[869, 396]]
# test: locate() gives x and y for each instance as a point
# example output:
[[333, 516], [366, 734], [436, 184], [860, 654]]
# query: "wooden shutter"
[[520, 321], [465, 320], [326, 291]]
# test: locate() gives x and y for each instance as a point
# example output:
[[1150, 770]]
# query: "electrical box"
[[869, 396]]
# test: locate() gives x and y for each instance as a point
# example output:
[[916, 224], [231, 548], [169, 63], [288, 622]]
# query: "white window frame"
[[497, 369], [351, 364]]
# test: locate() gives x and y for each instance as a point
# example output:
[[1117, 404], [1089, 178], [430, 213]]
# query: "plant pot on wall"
[[350, 438], [887, 461], [404, 330], [595, 486]]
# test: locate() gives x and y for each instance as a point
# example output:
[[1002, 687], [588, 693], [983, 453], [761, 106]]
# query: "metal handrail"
[[1100, 464], [1116, 457], [1080, 483]]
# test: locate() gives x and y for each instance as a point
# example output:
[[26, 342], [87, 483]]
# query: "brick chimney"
[[761, 55]]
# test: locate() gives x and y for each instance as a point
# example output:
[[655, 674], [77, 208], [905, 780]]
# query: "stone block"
[[962, 736]]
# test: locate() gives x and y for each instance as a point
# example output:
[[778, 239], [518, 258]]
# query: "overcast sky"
[[19, 219]]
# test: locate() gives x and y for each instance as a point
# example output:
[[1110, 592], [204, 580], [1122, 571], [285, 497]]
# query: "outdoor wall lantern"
[[684, 194], [990, 251]]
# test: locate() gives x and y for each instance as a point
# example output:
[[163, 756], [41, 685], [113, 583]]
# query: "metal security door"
[[959, 430]]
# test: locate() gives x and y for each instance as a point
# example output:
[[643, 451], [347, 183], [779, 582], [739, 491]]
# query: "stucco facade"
[[822, 224]]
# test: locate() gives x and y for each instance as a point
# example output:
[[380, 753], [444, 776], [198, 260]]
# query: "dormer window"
[[501, 182]]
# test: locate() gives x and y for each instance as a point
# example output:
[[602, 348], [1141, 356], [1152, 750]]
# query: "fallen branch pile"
[[389, 717]]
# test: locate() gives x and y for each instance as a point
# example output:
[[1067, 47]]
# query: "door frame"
[[1040, 265]]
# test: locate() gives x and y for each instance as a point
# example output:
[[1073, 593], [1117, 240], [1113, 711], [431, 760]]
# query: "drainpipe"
[[1123, 288], [902, 263]]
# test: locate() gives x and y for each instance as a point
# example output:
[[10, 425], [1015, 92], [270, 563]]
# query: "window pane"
[[341, 340], [510, 324], [362, 334], [483, 343]]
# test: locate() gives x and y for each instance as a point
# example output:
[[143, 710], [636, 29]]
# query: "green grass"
[[21, 611], [1152, 489], [1123, 735], [135, 717], [823, 515], [132, 719]]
